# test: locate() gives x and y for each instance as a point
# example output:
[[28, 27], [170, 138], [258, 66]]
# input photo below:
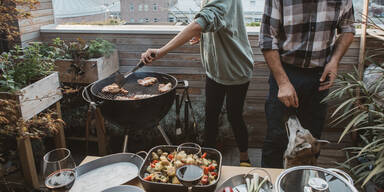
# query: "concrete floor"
[[231, 156]]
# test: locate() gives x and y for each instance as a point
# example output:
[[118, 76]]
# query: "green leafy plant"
[[107, 22], [99, 48], [254, 24], [83, 50], [21, 67], [76, 50], [363, 114]]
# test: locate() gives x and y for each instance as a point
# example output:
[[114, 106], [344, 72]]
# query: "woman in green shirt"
[[227, 58]]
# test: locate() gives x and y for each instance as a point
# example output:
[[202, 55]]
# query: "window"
[[171, 19], [253, 3], [155, 7], [140, 7], [155, 20], [141, 20], [146, 20], [145, 7], [132, 20], [132, 7]]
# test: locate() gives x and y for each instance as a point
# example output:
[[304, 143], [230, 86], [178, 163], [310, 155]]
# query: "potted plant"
[[85, 62], [26, 75], [363, 114], [10, 12]]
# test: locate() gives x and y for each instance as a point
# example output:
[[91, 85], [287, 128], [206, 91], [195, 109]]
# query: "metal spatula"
[[120, 78]]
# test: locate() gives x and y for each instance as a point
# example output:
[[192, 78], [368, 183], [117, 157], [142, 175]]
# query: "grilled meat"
[[122, 98], [114, 89], [165, 87], [134, 97], [123, 91], [148, 81], [144, 96]]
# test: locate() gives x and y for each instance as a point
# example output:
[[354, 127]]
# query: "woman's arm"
[[192, 30]]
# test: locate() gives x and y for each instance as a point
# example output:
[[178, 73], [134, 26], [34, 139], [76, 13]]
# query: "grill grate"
[[132, 86]]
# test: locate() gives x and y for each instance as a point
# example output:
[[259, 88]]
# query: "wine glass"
[[189, 175], [59, 170]]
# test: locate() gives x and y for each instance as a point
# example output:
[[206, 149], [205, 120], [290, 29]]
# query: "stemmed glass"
[[59, 170], [190, 175]]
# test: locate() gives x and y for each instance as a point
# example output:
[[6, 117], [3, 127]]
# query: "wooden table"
[[226, 172]]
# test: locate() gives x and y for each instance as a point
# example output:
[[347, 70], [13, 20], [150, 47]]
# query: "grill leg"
[[125, 143], [166, 138]]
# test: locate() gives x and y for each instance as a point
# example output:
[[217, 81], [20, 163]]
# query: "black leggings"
[[214, 98]]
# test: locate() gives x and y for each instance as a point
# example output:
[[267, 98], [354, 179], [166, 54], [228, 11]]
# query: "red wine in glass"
[[189, 175], [59, 170], [61, 180]]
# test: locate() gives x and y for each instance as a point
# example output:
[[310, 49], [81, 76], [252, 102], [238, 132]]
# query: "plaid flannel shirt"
[[304, 31]]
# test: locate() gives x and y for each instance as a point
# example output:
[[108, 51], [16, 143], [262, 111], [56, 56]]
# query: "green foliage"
[[254, 24], [364, 114], [75, 50], [107, 22], [99, 48], [21, 67], [83, 50]]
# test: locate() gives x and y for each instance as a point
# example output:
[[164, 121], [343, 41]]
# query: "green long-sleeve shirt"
[[225, 50]]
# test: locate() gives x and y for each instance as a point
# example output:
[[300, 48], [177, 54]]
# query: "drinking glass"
[[59, 170]]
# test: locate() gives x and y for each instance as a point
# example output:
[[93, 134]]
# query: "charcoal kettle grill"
[[143, 113]]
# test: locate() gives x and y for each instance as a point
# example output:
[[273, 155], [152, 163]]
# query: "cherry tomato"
[[204, 155], [214, 174], [170, 156], [204, 180], [211, 168], [148, 178], [206, 170]]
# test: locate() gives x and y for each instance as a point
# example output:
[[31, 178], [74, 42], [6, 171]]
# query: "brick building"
[[144, 11], [380, 2]]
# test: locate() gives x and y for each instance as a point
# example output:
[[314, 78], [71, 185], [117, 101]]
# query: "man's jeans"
[[311, 112]]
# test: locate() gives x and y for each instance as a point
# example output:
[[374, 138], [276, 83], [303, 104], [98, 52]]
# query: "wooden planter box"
[[95, 69], [36, 97]]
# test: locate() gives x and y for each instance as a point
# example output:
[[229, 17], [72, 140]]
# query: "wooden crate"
[[36, 97], [95, 69]]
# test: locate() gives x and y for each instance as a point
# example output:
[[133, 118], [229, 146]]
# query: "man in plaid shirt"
[[303, 42]]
